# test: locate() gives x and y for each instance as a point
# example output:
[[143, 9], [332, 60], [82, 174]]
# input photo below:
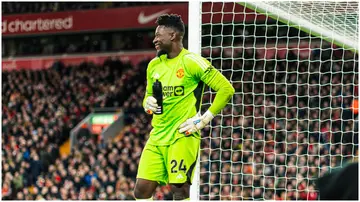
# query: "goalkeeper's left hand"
[[196, 123]]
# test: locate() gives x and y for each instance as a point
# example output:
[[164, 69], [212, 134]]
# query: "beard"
[[161, 52]]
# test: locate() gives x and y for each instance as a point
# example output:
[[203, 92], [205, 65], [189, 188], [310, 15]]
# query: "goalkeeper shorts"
[[170, 164]]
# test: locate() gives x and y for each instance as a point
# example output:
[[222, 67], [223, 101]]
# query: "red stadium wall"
[[36, 63]]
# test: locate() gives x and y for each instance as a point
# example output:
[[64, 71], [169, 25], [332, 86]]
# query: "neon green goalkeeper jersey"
[[183, 79]]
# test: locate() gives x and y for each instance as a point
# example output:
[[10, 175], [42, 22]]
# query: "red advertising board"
[[118, 18]]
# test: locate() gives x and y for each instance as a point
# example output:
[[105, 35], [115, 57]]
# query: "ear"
[[173, 36]]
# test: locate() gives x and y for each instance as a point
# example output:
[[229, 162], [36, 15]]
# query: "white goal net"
[[292, 117]]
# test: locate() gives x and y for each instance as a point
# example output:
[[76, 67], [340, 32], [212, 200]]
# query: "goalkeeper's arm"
[[225, 91]]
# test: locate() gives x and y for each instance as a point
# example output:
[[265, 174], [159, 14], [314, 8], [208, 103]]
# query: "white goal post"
[[194, 45]]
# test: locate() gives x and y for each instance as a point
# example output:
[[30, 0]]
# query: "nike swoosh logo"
[[142, 19]]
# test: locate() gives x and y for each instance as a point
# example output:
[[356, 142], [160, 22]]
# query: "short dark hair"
[[172, 20]]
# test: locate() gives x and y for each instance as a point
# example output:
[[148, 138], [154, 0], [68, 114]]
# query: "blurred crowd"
[[39, 110], [288, 127], [289, 122], [9, 8]]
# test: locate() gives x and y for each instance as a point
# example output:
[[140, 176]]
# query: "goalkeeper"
[[170, 154]]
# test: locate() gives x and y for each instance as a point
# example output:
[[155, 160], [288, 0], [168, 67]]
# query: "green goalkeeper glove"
[[196, 123]]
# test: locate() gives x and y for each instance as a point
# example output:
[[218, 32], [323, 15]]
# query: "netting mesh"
[[291, 118], [338, 21]]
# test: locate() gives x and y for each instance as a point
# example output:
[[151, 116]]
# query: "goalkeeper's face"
[[164, 37]]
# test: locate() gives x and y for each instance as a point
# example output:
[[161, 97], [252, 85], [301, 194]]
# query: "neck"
[[175, 51]]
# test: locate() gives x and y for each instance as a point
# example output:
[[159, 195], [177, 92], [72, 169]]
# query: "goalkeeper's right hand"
[[150, 105]]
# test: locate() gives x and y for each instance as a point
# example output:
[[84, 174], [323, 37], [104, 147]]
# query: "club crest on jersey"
[[180, 73]]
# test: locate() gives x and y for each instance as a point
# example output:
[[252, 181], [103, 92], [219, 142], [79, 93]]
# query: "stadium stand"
[[289, 163], [39, 108], [37, 120]]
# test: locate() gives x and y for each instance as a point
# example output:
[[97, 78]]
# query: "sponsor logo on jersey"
[[179, 90], [169, 91], [180, 73]]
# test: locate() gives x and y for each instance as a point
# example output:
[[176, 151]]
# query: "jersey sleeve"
[[196, 66], [222, 86], [202, 70]]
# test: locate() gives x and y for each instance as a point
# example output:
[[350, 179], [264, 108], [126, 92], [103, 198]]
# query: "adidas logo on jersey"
[[156, 76], [179, 176]]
